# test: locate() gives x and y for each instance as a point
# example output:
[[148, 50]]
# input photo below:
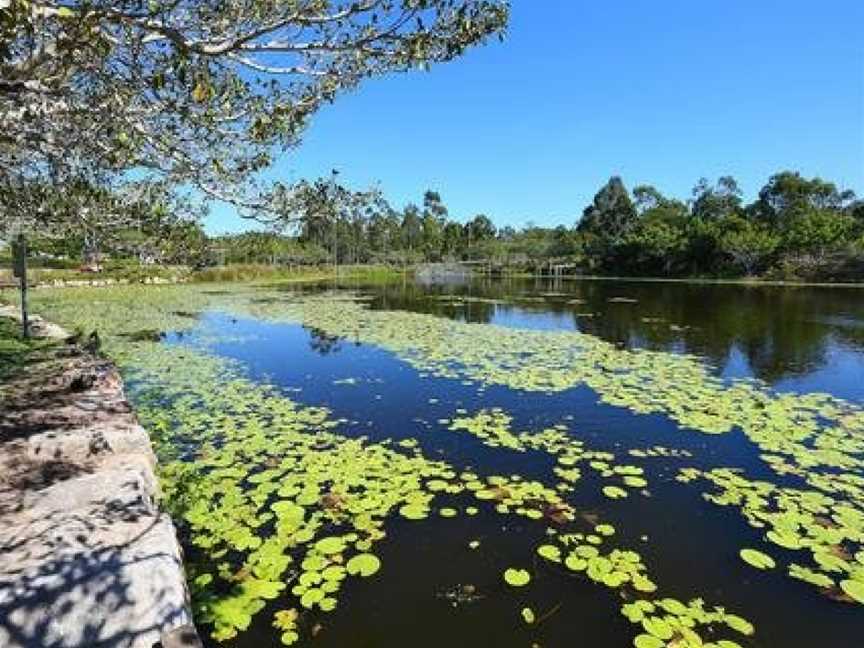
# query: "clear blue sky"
[[658, 92]]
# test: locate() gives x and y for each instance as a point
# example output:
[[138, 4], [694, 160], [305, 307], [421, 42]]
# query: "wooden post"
[[19, 249]]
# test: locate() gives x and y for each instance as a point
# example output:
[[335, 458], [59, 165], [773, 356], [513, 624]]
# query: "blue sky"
[[658, 92]]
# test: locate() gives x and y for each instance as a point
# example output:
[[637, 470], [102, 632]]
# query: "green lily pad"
[[739, 624], [332, 545], [517, 577], [363, 565], [757, 559], [648, 641], [854, 589], [414, 511], [550, 552], [614, 492], [657, 627]]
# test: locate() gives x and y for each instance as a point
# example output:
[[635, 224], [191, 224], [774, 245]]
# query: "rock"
[[86, 557]]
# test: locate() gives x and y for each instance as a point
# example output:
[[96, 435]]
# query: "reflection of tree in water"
[[781, 331], [322, 342]]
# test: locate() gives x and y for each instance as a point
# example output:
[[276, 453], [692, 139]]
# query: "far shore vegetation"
[[797, 229]]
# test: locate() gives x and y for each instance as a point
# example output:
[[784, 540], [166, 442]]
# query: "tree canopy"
[[201, 93]]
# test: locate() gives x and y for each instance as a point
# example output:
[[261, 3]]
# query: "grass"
[[15, 351], [129, 273], [268, 273], [134, 273]]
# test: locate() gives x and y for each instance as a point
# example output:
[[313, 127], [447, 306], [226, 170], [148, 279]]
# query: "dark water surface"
[[795, 339]]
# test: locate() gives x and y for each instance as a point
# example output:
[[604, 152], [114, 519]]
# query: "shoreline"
[[376, 273], [88, 557], [777, 283]]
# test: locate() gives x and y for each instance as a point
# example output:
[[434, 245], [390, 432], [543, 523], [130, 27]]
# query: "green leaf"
[[363, 565], [854, 589], [517, 577], [550, 552], [757, 559], [739, 624], [648, 641]]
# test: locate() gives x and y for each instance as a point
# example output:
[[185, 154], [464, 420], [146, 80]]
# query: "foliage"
[[202, 93], [277, 501], [749, 245]]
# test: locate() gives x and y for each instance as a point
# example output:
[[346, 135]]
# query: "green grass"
[[15, 351], [129, 273], [135, 273], [268, 273]]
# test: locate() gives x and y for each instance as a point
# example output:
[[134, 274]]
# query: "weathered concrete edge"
[[135, 551]]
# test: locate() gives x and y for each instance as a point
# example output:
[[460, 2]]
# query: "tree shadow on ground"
[[102, 576]]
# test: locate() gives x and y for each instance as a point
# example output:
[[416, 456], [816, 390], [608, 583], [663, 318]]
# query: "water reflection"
[[780, 332]]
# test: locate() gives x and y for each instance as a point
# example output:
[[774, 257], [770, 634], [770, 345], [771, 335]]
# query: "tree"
[[658, 246], [651, 205], [817, 231], [856, 210], [432, 224], [129, 216], [748, 244], [646, 197], [612, 214], [478, 230], [788, 195], [202, 93], [452, 236], [412, 227], [713, 203]]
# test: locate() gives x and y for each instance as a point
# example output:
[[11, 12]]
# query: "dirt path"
[[86, 557]]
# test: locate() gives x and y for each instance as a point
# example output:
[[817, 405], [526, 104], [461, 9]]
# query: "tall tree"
[[412, 227], [788, 195], [612, 214], [720, 201], [433, 221]]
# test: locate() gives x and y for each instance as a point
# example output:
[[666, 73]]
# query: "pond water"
[[619, 442]]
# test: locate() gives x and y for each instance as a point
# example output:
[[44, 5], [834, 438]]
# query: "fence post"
[[19, 248]]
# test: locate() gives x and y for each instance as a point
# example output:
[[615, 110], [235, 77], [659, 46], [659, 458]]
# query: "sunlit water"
[[795, 339]]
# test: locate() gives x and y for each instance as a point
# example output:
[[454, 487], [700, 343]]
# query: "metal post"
[[20, 271], [335, 212]]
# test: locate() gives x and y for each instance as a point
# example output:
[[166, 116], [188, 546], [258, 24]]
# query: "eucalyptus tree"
[[788, 195], [433, 220], [711, 203], [203, 93]]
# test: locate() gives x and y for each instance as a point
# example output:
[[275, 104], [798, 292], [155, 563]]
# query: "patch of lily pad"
[[278, 503]]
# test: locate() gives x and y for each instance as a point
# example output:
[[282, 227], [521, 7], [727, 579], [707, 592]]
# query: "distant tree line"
[[796, 228]]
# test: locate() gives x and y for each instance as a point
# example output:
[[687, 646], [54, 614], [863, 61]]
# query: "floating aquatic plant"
[[277, 502], [517, 577], [757, 559]]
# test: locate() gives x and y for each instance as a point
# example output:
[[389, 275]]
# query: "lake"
[[505, 462]]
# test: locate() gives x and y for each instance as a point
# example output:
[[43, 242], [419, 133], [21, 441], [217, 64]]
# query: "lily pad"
[[854, 589], [757, 559], [517, 577], [363, 565], [614, 492]]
